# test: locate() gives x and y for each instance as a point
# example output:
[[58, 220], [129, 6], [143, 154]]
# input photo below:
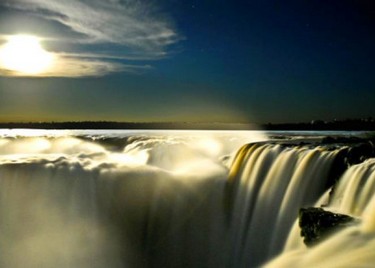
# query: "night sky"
[[198, 61]]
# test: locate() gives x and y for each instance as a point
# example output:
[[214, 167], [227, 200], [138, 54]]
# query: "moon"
[[25, 55]]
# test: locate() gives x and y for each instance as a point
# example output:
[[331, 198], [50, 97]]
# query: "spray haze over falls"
[[174, 199]]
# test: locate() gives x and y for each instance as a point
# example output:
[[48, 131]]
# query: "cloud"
[[128, 22], [80, 67], [115, 29]]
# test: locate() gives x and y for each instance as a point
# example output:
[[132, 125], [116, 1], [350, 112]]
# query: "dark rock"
[[317, 224], [348, 156], [342, 140], [328, 140], [359, 153], [338, 167]]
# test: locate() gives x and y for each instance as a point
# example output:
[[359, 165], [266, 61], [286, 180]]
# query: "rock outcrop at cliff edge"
[[317, 224]]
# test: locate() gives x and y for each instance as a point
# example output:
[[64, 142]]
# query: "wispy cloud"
[[128, 29], [80, 67]]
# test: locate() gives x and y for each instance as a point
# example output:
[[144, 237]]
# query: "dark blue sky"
[[212, 61]]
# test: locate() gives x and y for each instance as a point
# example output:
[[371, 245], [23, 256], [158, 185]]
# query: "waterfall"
[[139, 201], [269, 183], [353, 246], [171, 201]]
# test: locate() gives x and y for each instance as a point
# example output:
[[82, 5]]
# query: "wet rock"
[[338, 167], [317, 224], [349, 155], [358, 149], [359, 153]]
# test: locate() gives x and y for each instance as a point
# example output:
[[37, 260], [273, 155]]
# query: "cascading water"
[[269, 184], [351, 247], [169, 201]]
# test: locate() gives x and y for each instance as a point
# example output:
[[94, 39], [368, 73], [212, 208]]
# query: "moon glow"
[[24, 55]]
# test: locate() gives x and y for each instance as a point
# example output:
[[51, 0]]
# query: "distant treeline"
[[350, 124], [127, 125]]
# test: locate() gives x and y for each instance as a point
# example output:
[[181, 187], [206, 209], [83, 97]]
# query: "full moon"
[[25, 55]]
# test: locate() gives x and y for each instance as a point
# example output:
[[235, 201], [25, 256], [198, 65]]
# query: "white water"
[[272, 183], [352, 247], [160, 198], [148, 199]]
